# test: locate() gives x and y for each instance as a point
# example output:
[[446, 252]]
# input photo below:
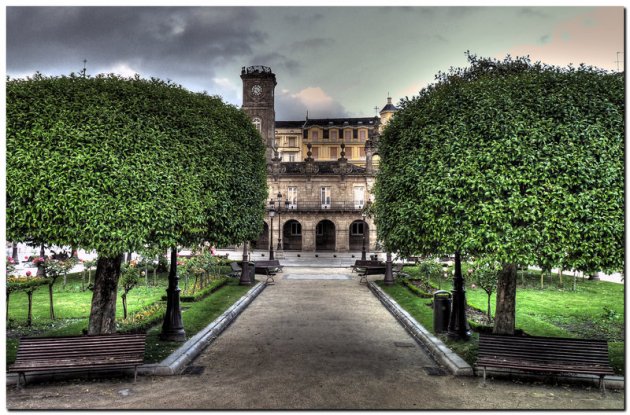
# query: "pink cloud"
[[593, 38]]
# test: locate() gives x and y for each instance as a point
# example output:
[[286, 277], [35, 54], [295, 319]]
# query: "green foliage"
[[429, 269], [485, 274], [24, 284], [414, 289], [129, 277], [520, 162], [121, 165], [117, 164]]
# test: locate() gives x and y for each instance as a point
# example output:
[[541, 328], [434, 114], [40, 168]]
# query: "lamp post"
[[364, 215], [272, 213], [173, 326], [389, 274], [458, 327]]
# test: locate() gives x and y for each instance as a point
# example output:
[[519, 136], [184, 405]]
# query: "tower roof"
[[389, 107]]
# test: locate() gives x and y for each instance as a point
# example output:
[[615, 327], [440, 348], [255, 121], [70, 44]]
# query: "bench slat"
[[73, 353], [544, 354]]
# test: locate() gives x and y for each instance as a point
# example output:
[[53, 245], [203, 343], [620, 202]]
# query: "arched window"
[[258, 124]]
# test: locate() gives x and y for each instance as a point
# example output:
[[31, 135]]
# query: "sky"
[[331, 61]]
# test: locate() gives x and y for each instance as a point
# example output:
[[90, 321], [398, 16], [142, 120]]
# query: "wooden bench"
[[545, 355], [268, 269], [79, 353], [370, 270], [359, 264], [270, 263]]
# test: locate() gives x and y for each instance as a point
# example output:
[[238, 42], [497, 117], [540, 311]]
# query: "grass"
[[72, 309], [594, 310]]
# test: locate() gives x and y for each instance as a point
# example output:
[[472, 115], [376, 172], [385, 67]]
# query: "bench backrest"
[[268, 263], [366, 263], [119, 345], [544, 349], [235, 267]]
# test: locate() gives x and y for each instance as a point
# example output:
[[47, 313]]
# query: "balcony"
[[304, 207]]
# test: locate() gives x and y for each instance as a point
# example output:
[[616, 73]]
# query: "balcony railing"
[[319, 207]]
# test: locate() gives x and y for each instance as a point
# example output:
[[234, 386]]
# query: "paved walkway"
[[317, 339]]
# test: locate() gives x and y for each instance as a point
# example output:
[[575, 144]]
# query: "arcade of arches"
[[333, 234]]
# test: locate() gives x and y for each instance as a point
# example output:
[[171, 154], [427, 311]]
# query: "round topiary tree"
[[116, 165], [521, 163]]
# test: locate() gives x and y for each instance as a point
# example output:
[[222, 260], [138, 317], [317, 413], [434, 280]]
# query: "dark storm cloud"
[[176, 41], [278, 61]]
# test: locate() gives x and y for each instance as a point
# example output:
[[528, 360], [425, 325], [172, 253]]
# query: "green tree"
[[485, 274], [116, 165], [130, 276], [519, 162]]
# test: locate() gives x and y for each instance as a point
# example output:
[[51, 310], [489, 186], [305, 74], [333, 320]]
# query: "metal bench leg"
[[484, 375], [135, 374], [602, 385]]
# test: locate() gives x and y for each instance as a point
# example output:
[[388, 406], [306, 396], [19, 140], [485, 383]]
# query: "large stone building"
[[320, 173]]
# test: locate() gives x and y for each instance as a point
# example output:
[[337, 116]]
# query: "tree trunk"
[[489, 308], [103, 311], [560, 276], [124, 303], [29, 318], [505, 312], [14, 252], [50, 296], [41, 271]]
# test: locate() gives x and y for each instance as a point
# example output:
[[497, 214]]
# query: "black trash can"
[[441, 310]]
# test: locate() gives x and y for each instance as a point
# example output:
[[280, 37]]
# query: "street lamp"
[[364, 215], [458, 327], [272, 213]]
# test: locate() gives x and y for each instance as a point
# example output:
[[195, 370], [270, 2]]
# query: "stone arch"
[[358, 235], [325, 235], [292, 235]]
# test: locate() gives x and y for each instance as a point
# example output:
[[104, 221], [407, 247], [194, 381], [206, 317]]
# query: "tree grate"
[[193, 370], [434, 371]]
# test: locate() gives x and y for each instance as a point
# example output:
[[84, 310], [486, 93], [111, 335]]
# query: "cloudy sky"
[[333, 61]]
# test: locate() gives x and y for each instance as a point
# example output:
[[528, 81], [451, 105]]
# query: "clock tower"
[[258, 101]]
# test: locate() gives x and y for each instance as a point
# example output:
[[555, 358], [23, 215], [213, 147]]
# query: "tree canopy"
[[519, 162], [118, 164], [114, 164]]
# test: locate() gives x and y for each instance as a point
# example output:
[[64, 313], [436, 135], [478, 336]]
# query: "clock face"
[[257, 90]]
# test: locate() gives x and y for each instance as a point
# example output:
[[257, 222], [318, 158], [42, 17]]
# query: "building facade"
[[320, 174]]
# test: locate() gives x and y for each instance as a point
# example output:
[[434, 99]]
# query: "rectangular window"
[[291, 157], [292, 197], [362, 152], [355, 135], [333, 153], [362, 135], [333, 134], [292, 142], [296, 229], [325, 197], [347, 134], [357, 228], [315, 135], [315, 152], [359, 196], [319, 229]]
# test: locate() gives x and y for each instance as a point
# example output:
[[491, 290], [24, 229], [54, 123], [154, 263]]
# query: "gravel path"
[[314, 340]]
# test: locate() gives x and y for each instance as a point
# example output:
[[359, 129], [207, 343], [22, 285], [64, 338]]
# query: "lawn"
[[594, 310], [72, 308]]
